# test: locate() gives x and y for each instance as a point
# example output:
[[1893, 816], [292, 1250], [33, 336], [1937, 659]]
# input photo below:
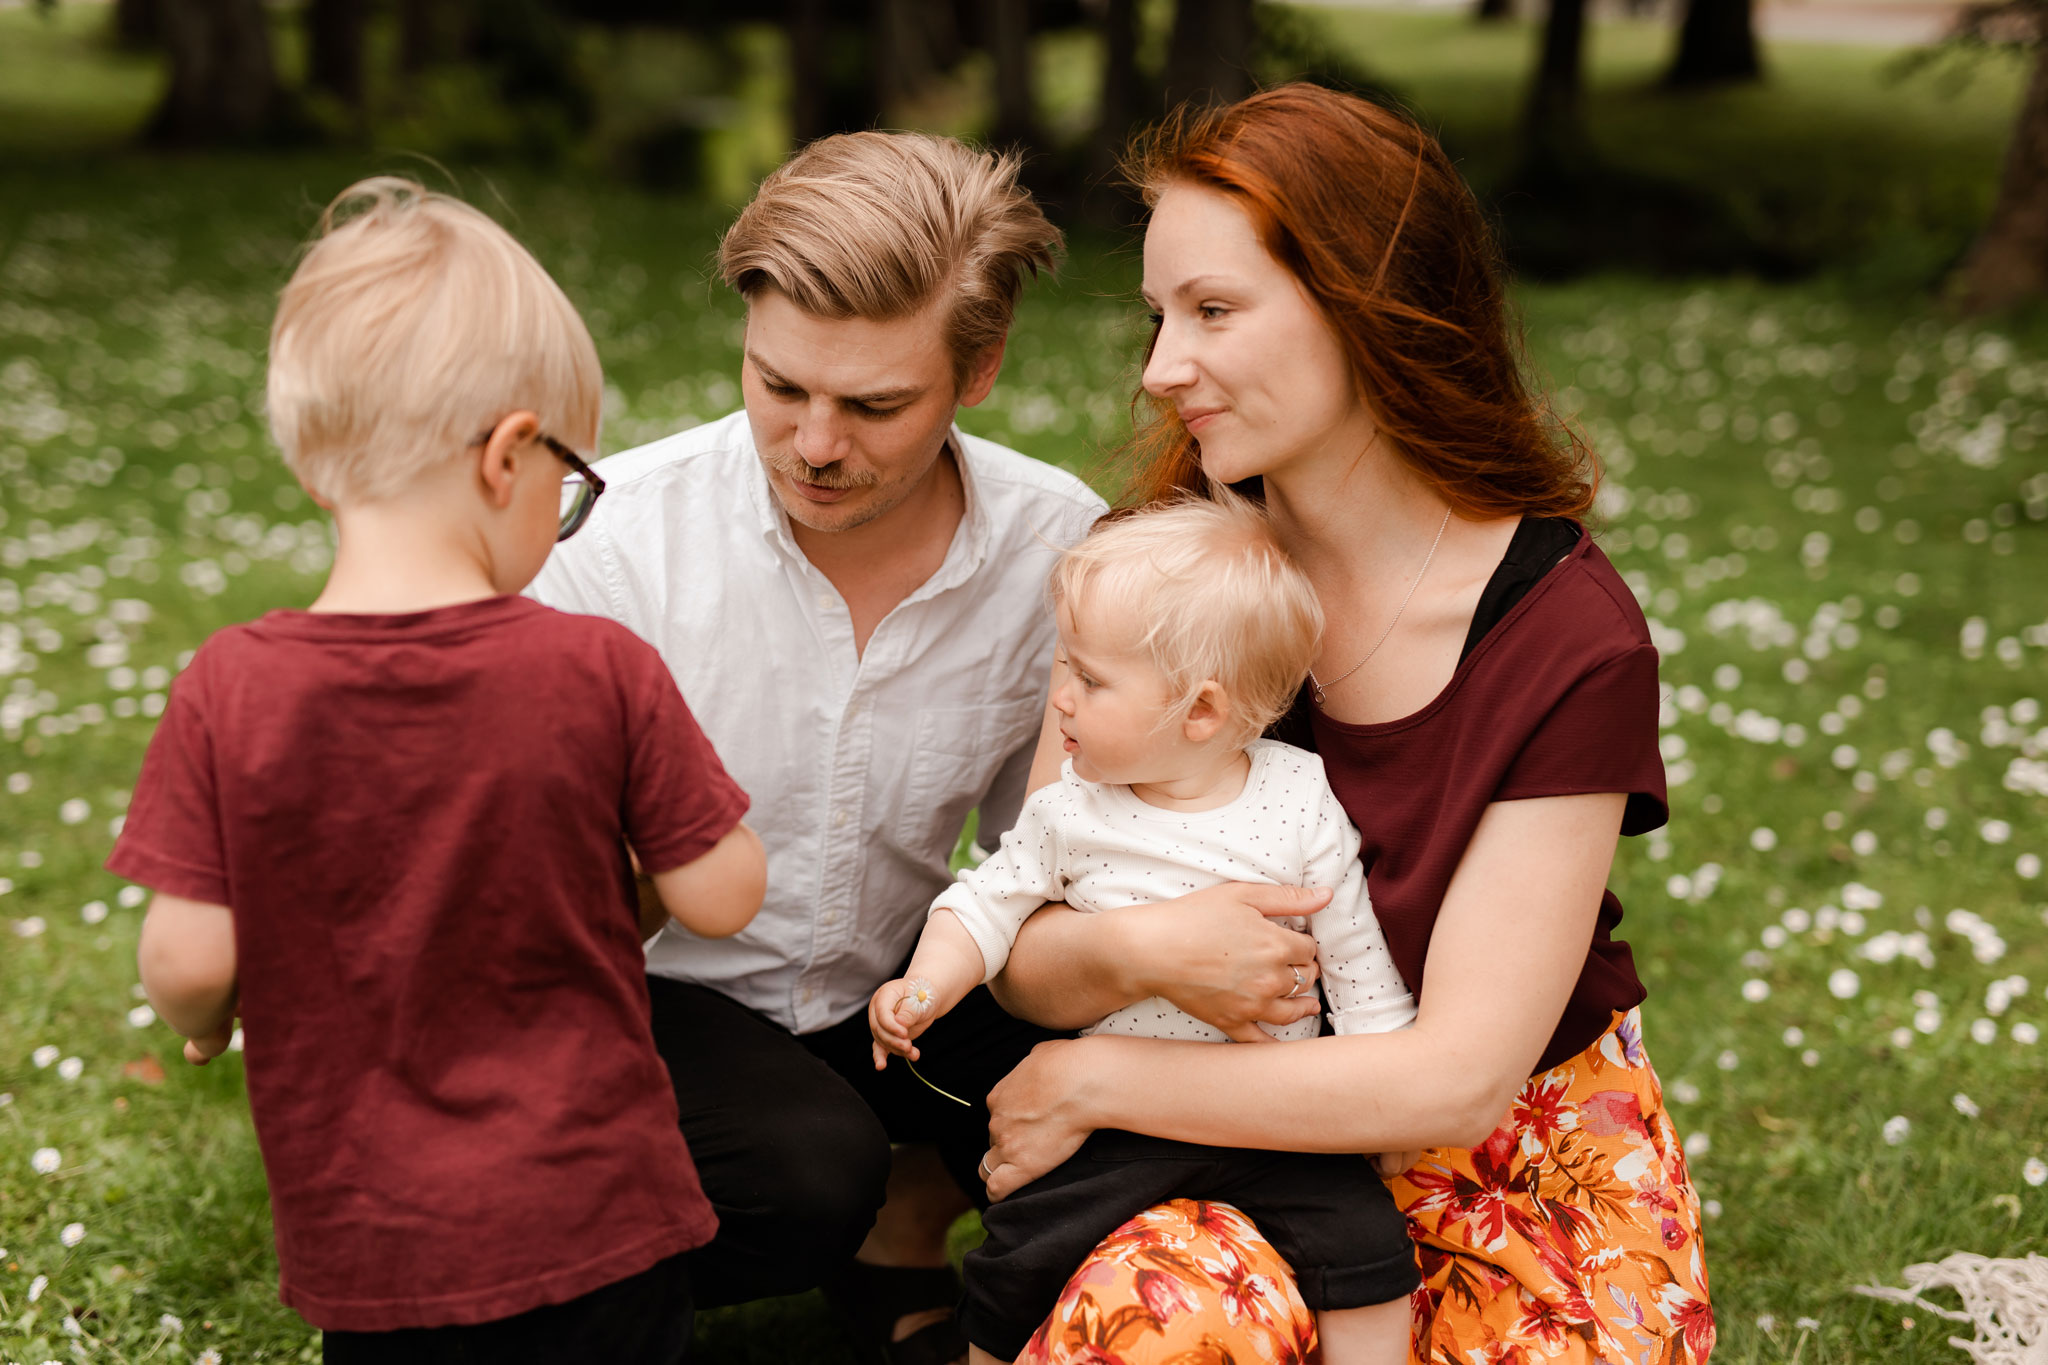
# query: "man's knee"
[[824, 1167]]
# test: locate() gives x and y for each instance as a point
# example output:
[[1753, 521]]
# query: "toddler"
[[391, 832], [1184, 633]]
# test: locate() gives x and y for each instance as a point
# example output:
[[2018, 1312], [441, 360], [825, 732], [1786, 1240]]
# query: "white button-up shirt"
[[862, 766]]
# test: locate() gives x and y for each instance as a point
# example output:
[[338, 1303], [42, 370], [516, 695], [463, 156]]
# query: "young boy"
[[391, 832], [1184, 632]]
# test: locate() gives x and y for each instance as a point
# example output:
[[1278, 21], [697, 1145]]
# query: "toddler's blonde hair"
[[1209, 594], [880, 225], [412, 325]]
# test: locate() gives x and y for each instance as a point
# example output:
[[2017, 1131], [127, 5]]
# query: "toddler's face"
[[1115, 708]]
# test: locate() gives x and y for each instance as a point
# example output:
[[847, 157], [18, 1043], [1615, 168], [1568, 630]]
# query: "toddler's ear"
[[498, 458], [1207, 714]]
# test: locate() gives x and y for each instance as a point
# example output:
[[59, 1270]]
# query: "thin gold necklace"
[[1322, 689]]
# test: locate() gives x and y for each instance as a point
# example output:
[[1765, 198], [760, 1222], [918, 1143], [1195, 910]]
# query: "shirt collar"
[[963, 557]]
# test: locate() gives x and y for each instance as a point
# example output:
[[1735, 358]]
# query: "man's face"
[[849, 415]]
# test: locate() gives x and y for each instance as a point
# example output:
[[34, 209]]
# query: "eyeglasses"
[[579, 491]]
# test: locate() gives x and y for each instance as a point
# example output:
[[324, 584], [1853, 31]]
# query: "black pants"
[[643, 1319], [1329, 1216], [791, 1133]]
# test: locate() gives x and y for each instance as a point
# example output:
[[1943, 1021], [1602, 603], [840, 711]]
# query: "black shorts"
[[1330, 1216]]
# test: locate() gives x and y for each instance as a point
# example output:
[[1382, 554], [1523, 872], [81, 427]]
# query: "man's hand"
[[207, 1046], [897, 1014]]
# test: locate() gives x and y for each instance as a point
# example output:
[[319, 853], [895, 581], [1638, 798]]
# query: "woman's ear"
[[1207, 714], [498, 459]]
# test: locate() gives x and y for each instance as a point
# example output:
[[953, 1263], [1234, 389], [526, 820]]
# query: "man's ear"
[[981, 375], [498, 459], [1207, 714]]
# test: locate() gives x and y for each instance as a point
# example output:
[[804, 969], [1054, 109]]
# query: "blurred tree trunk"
[[1009, 43], [915, 40], [1206, 61], [2009, 263], [1551, 124], [832, 82], [1716, 45], [1103, 201], [138, 23], [334, 57], [223, 79], [430, 33]]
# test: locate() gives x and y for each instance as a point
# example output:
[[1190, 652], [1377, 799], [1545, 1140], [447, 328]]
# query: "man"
[[851, 594]]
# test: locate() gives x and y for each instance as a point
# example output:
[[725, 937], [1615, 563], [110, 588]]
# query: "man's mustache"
[[831, 476]]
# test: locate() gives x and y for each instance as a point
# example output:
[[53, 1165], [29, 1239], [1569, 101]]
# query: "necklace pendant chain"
[[1322, 689]]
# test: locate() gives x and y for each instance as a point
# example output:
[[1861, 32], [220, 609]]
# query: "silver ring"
[[981, 1168], [1299, 982]]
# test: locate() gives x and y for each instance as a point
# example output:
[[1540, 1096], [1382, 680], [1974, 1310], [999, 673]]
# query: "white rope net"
[[2005, 1300]]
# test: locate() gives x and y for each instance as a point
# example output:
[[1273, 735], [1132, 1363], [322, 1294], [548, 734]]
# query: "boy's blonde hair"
[[412, 325], [1212, 597], [878, 225]]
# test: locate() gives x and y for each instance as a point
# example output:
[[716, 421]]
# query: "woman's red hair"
[[1368, 213]]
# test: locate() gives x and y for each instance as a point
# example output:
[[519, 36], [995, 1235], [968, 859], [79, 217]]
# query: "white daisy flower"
[[72, 1235], [2035, 1172], [1965, 1106], [44, 1055], [71, 1068], [37, 1286], [1895, 1129], [46, 1160]]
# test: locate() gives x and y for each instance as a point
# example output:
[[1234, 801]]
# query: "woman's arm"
[[1507, 949], [1215, 954]]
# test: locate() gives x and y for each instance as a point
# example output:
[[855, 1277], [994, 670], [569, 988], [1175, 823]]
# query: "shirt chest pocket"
[[955, 753]]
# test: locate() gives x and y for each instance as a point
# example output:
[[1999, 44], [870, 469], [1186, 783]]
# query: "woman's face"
[[1248, 361]]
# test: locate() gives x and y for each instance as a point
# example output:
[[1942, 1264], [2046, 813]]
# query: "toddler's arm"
[[187, 961], [945, 967], [718, 892]]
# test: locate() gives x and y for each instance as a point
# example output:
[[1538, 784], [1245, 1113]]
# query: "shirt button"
[[825, 600], [839, 819]]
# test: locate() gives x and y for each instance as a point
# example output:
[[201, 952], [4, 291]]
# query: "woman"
[[1331, 336]]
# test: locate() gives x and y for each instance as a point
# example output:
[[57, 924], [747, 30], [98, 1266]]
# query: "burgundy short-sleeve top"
[[419, 823], [1559, 696]]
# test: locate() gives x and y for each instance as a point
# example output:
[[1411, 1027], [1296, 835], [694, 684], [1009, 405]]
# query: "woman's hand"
[[1035, 1116], [1218, 955]]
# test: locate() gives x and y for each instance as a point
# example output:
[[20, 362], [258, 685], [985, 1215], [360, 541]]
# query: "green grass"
[[1740, 422]]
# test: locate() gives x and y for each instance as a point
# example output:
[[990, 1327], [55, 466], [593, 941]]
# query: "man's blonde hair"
[[412, 325], [879, 225], [1210, 595]]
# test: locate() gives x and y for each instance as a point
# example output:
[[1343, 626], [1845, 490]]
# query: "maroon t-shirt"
[[1559, 697], [419, 824]]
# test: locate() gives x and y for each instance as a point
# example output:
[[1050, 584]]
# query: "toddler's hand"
[[207, 1046], [897, 1013], [1392, 1164]]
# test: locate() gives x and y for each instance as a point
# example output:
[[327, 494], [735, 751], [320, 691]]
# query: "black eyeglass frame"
[[573, 523]]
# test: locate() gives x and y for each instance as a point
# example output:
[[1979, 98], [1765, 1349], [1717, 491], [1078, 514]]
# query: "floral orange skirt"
[[1571, 1234]]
